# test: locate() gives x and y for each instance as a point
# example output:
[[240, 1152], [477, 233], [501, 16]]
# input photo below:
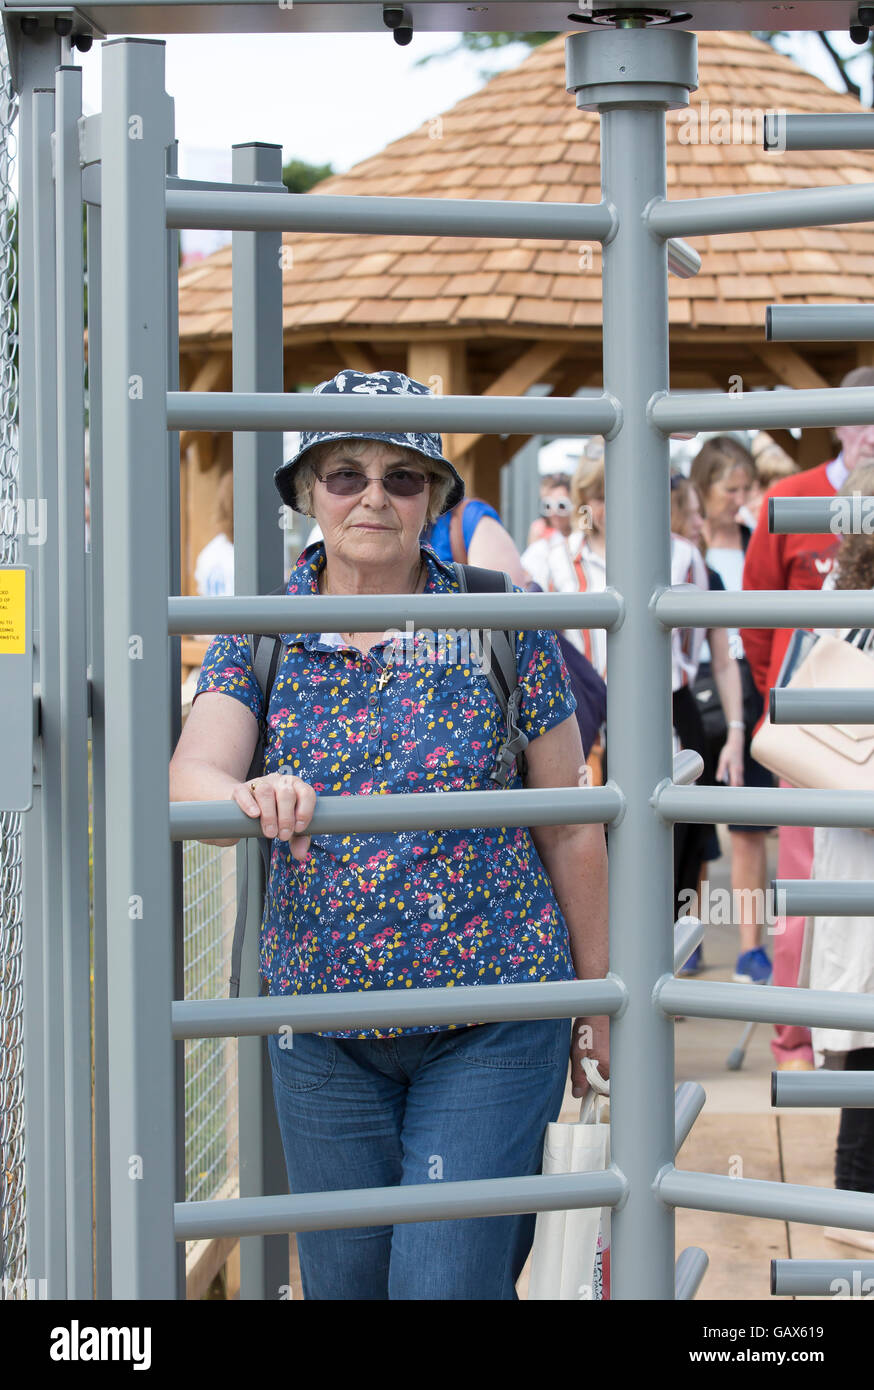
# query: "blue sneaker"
[[753, 968], [693, 964]]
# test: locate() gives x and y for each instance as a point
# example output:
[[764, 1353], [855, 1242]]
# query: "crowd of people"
[[442, 908]]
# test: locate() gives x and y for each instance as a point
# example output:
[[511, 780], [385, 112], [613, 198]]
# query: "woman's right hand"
[[285, 805]]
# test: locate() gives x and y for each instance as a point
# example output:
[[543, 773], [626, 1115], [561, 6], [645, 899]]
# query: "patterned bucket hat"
[[386, 383]]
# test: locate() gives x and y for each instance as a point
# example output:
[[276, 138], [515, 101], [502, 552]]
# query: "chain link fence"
[[12, 1193]]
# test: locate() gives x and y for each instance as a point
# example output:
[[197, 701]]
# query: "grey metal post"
[[102, 1214], [73, 690], [37, 58], [258, 567], [175, 698], [136, 127], [601, 67], [50, 675]]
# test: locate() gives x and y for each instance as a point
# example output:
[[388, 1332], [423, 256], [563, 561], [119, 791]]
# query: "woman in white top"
[[575, 563], [723, 473], [839, 951]]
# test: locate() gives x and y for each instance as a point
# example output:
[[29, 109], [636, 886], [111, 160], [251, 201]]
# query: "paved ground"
[[738, 1131]]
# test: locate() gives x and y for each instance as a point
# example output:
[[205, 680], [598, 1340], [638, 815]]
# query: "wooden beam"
[[789, 367], [214, 375], [527, 370], [354, 356]]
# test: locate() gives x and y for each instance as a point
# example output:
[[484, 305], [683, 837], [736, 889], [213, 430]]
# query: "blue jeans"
[[427, 1107]]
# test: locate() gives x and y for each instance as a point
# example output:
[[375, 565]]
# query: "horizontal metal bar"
[[690, 1270], [319, 212], [399, 1008], [813, 1008], [803, 897], [688, 766], [689, 1101], [425, 16], [388, 612], [759, 212], [688, 934], [823, 323], [765, 806], [92, 183], [851, 1090], [683, 260], [824, 706], [777, 1201], [817, 516], [247, 410], [853, 1278], [674, 411], [176, 184], [389, 1206], [374, 815], [686, 606], [841, 131]]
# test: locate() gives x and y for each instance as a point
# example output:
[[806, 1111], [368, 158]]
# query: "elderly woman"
[[417, 909]]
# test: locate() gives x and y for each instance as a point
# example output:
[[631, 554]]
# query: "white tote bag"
[[569, 1255]]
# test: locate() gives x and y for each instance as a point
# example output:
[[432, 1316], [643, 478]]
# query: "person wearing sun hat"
[[367, 911]]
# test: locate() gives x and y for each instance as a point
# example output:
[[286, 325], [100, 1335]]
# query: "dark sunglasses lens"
[[404, 482], [345, 482], [400, 482]]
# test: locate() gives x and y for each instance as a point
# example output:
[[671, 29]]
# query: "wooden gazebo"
[[488, 317]]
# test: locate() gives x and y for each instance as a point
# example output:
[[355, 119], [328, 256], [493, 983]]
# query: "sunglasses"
[[397, 482], [558, 506]]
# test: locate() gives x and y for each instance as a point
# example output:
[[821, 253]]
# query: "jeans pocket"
[[535, 1043], [302, 1063]]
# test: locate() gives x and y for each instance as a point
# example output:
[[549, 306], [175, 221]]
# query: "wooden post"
[[202, 477], [442, 367], [484, 463]]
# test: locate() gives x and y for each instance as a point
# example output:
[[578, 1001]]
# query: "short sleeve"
[[547, 697], [227, 670], [473, 515]]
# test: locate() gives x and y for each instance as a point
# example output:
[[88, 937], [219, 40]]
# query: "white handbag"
[[836, 757], [570, 1255]]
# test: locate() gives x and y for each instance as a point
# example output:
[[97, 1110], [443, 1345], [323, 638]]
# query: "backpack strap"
[[264, 653], [456, 533], [502, 673]]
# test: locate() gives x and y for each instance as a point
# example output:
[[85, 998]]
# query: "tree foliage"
[[300, 177]]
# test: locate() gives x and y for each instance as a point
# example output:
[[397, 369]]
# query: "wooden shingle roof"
[[521, 137]]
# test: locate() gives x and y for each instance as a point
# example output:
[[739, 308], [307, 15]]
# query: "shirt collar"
[[837, 472], [304, 579]]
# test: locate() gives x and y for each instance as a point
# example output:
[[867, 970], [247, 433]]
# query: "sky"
[[327, 98]]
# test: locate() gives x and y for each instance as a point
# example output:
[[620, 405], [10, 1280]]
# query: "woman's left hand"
[[591, 1038], [731, 760]]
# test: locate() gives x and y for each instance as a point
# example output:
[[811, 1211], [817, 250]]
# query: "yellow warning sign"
[[12, 611]]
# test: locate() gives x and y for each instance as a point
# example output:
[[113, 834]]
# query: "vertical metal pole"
[[38, 57], [632, 77], [136, 128], [175, 697], [73, 690], [50, 678], [102, 1213], [258, 568], [638, 559]]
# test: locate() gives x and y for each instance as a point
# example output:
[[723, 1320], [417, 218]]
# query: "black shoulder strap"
[[501, 670]]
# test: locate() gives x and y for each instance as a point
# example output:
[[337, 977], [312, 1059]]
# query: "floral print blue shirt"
[[417, 908]]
